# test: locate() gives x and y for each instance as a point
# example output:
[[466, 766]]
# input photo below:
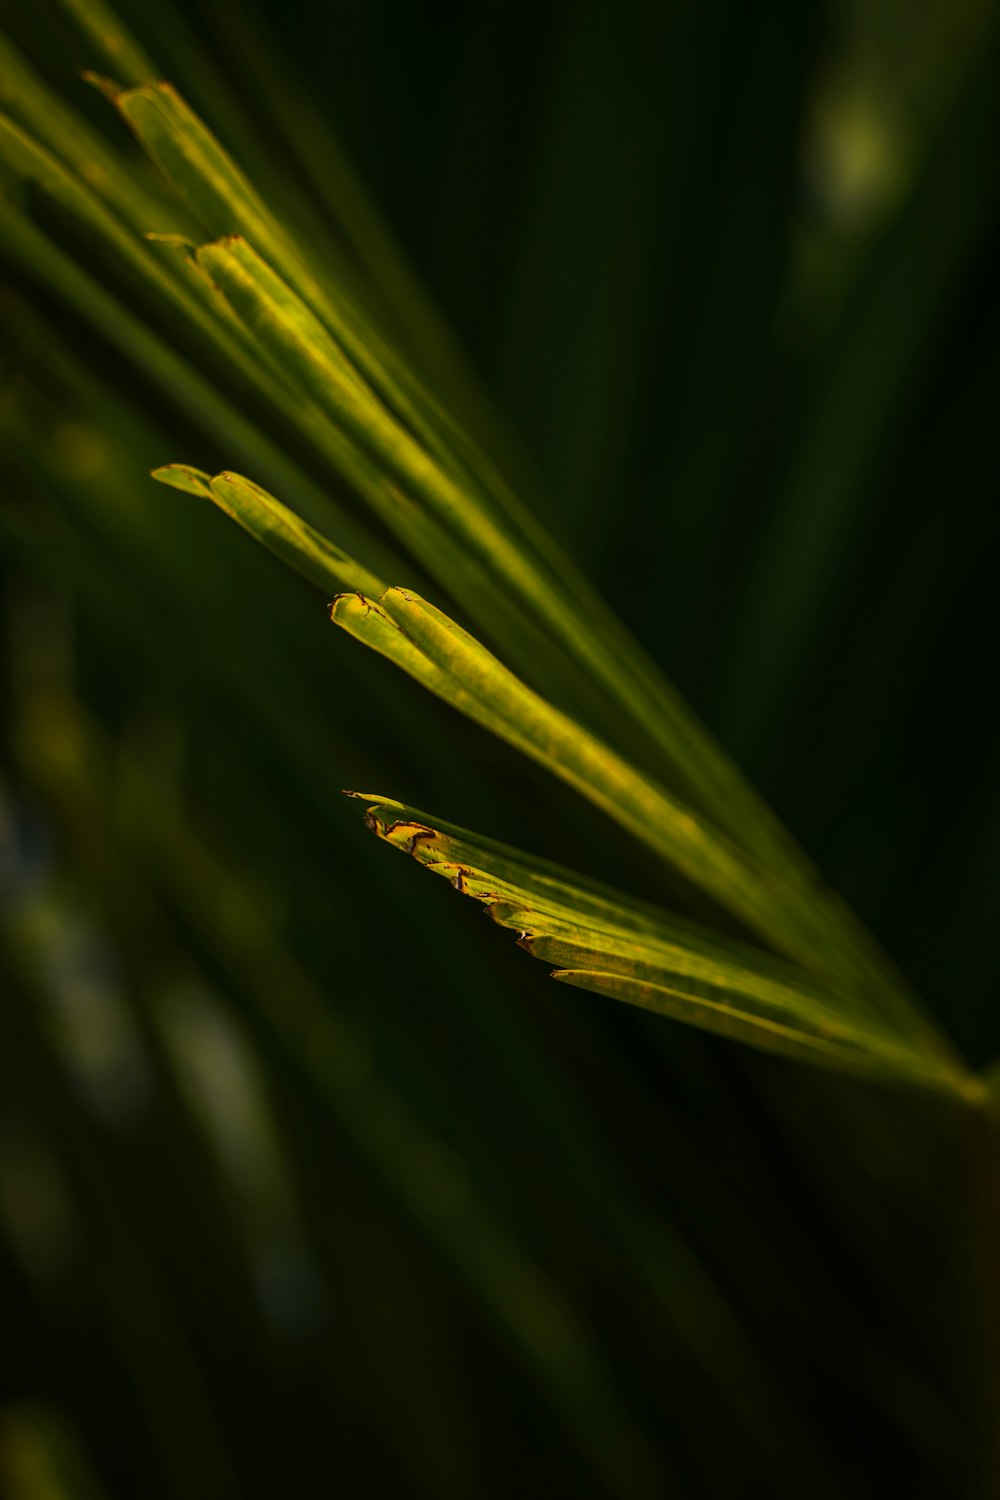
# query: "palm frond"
[[633, 953]]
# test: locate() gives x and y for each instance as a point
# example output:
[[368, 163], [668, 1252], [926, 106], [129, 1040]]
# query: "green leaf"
[[279, 529], [806, 923], [119, 49], [598, 939]]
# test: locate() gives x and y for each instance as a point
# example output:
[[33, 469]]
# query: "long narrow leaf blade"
[[597, 939]]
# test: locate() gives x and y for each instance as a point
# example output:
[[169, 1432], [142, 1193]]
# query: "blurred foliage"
[[307, 1178]]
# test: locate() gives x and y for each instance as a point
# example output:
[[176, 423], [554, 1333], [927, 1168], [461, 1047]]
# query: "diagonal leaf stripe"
[[596, 939], [808, 924]]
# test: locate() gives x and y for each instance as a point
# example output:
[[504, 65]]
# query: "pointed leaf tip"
[[185, 478], [106, 86], [176, 241]]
